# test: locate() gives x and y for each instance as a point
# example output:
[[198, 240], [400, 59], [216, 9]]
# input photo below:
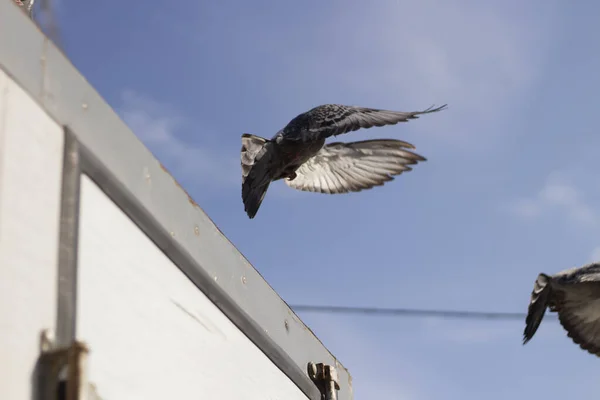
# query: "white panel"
[[151, 332], [31, 146]]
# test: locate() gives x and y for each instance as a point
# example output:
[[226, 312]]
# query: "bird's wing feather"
[[587, 273], [352, 167], [333, 119], [541, 297], [579, 313]]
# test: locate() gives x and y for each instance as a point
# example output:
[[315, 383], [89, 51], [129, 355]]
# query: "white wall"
[[152, 333], [31, 147]]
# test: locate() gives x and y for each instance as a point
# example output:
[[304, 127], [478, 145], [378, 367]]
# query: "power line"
[[412, 312]]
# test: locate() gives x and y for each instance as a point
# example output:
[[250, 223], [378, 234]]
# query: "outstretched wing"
[[579, 313], [540, 300], [352, 167], [334, 119]]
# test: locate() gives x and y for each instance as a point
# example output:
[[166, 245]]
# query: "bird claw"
[[291, 176]]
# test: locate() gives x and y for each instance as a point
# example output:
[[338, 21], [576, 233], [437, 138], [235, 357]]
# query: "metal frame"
[[127, 172], [77, 160]]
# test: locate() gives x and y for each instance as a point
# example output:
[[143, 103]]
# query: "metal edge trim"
[[127, 202], [68, 241]]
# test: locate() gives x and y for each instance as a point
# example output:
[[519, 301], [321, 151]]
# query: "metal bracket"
[[63, 371], [326, 379]]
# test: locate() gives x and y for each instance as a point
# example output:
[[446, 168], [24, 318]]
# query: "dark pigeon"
[[298, 153]]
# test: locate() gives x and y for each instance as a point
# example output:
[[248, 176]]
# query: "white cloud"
[[557, 196], [160, 128], [561, 198], [476, 56]]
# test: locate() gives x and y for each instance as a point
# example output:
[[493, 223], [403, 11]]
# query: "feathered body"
[[298, 153], [575, 295]]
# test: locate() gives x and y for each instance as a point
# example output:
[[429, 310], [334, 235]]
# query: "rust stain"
[[190, 199]]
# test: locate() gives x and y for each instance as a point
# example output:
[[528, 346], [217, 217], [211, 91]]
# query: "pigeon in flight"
[[575, 295], [298, 153]]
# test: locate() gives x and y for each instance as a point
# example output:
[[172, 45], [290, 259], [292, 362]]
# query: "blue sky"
[[510, 188]]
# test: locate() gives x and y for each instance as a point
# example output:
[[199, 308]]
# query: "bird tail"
[[256, 160], [537, 306]]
